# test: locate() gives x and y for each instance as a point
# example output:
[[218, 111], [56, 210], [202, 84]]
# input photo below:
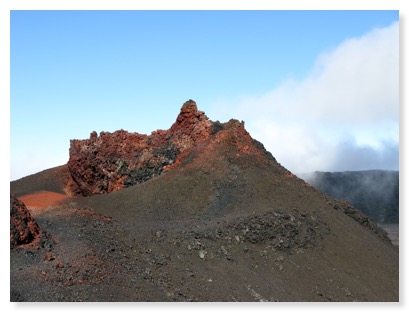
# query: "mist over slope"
[[199, 212], [374, 192]]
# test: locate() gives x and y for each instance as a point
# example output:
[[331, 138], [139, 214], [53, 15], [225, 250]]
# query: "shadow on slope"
[[53, 180]]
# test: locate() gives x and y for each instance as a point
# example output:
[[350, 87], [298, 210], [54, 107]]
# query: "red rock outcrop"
[[112, 161], [23, 228]]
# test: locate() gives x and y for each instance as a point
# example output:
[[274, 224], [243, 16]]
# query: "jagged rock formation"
[[23, 228], [113, 161]]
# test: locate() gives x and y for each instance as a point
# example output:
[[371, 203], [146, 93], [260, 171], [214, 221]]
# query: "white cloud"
[[351, 95]]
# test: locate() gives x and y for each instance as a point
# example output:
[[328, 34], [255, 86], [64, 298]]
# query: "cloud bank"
[[343, 116]]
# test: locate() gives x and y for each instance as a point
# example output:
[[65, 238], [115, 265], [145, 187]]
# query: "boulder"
[[23, 228]]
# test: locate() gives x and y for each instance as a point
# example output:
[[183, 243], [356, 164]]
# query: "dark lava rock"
[[23, 228]]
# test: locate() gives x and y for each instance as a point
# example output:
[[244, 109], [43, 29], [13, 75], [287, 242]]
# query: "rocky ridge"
[[112, 161]]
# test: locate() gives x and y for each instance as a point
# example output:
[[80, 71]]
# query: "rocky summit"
[[113, 161], [198, 212]]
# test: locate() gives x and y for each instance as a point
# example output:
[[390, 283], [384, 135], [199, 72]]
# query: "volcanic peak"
[[113, 161], [225, 211]]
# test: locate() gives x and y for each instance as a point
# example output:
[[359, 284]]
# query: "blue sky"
[[307, 83]]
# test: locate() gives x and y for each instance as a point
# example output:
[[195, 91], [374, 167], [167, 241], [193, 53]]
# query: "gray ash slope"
[[228, 223]]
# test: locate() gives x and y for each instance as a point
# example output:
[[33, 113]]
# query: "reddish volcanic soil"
[[42, 201]]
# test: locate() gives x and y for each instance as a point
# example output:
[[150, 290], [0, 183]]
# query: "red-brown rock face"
[[112, 161], [23, 228]]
